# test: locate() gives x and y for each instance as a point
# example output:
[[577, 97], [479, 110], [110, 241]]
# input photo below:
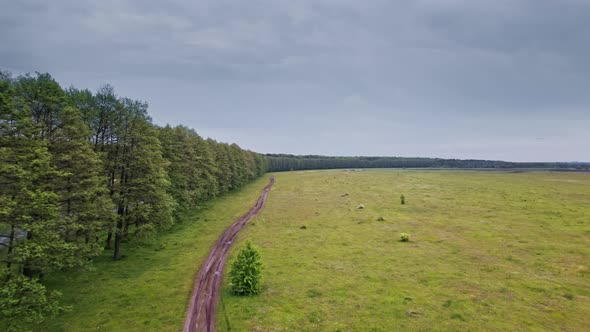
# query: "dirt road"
[[203, 302]]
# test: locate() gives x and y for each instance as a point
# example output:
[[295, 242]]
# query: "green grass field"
[[489, 251]]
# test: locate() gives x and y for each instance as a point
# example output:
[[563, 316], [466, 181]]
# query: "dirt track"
[[203, 302]]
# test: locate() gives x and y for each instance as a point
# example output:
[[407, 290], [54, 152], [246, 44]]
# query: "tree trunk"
[[107, 245], [27, 270], [126, 230], [10, 244], [117, 253], [119, 232]]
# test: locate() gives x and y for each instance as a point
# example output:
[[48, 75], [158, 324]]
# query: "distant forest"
[[287, 162]]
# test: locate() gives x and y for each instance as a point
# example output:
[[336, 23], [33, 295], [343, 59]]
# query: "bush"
[[246, 271], [404, 237], [25, 301], [402, 199]]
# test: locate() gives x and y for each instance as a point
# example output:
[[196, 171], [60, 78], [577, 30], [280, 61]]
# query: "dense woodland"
[[287, 162], [81, 172]]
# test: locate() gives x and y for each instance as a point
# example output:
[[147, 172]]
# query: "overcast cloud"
[[501, 79]]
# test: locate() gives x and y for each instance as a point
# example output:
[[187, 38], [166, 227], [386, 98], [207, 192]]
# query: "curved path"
[[203, 302]]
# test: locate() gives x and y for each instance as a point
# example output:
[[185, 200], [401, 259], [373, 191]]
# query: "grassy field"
[[488, 251], [148, 290]]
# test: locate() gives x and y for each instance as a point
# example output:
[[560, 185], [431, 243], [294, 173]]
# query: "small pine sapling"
[[246, 271]]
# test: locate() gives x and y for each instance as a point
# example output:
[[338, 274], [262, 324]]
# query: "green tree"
[[29, 211], [191, 166], [205, 163], [28, 206], [83, 208], [25, 301], [136, 172], [87, 210], [237, 165], [102, 114], [222, 160], [141, 182], [179, 155], [246, 271]]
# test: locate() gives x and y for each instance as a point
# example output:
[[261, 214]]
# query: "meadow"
[[491, 251], [488, 251]]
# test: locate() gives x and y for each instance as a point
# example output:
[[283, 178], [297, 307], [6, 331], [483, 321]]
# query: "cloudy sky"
[[497, 79]]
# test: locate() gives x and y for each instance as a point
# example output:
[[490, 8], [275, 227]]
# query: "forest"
[[82, 172], [287, 162]]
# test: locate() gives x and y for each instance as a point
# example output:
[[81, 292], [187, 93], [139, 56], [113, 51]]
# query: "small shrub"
[[303, 227], [313, 293], [404, 237], [402, 199], [315, 317], [25, 301], [381, 219], [246, 271], [457, 316]]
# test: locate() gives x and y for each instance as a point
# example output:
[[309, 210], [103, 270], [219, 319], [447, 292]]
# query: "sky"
[[498, 79]]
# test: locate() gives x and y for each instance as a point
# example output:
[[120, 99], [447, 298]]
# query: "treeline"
[[287, 162], [81, 172]]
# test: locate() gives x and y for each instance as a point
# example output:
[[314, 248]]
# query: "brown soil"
[[203, 302]]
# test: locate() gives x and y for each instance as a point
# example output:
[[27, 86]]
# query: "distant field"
[[489, 251]]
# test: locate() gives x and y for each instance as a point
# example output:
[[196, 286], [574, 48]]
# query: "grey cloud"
[[353, 77]]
